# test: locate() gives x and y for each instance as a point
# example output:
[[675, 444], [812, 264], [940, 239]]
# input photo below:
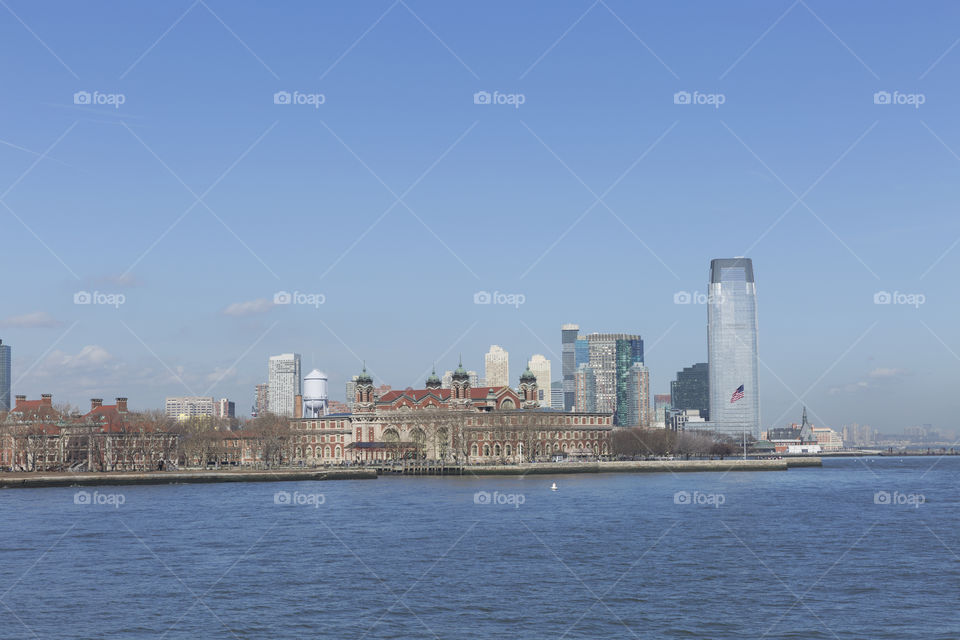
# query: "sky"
[[185, 162]]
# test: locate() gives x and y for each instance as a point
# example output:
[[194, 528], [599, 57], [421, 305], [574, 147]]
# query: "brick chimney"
[[122, 405], [19, 399], [298, 406], [95, 403], [46, 400]]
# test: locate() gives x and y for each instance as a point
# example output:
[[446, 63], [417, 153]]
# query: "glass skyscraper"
[[732, 348], [691, 389], [568, 364], [4, 376]]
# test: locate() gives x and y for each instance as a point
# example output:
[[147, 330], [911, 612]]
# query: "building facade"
[[186, 407], [585, 398], [611, 356], [496, 367], [638, 398], [263, 399], [540, 367], [732, 348], [691, 389], [462, 424], [225, 409], [568, 366], [285, 383]]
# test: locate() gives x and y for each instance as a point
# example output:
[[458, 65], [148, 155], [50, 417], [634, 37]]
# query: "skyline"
[[504, 199]]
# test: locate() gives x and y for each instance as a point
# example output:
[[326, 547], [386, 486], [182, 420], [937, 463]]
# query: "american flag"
[[737, 394]]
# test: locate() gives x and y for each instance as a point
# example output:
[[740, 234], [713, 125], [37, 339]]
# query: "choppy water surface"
[[857, 549]]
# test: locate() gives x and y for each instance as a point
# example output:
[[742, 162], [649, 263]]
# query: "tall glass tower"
[[568, 364], [732, 348]]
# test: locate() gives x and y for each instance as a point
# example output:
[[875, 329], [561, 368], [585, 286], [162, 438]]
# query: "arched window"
[[299, 452], [473, 450], [309, 452], [338, 452], [496, 449], [507, 404], [604, 448], [326, 451], [506, 450], [486, 450]]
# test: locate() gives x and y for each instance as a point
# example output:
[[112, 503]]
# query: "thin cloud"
[[249, 308], [883, 372], [35, 320]]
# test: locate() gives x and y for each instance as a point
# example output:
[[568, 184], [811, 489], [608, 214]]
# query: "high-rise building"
[[732, 348], [581, 351], [4, 376], [611, 356], [540, 367], [475, 379], [556, 395], [185, 407], [263, 399], [691, 389], [637, 411], [568, 363], [446, 381], [585, 389], [661, 404], [284, 380], [351, 392], [497, 367], [223, 408]]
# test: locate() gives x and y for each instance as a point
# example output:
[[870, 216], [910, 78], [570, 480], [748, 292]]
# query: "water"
[[806, 553]]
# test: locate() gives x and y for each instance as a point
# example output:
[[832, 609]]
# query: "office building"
[[732, 348], [691, 389], [556, 395], [661, 404], [497, 367], [585, 389], [223, 408], [186, 407], [285, 383], [263, 399], [540, 367], [611, 356], [568, 364], [637, 410]]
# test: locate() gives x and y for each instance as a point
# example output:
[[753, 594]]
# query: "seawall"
[[28, 480], [644, 466]]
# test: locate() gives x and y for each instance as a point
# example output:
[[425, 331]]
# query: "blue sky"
[[597, 199]]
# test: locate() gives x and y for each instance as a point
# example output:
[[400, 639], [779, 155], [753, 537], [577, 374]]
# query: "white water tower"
[[315, 394]]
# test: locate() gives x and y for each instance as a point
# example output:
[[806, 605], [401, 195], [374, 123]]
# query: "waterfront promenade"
[[43, 479]]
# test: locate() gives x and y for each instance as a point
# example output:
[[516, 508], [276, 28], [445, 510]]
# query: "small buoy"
[[553, 487]]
